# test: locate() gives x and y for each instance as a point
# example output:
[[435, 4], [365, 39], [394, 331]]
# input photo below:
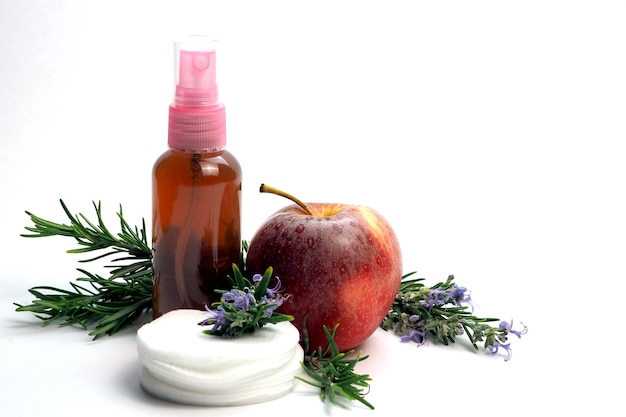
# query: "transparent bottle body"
[[196, 228]]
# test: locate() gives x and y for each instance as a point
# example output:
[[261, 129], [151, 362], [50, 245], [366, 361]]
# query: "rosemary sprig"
[[248, 306], [105, 305], [420, 312], [94, 237], [333, 372]]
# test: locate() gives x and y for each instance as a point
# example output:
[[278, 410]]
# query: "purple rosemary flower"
[[497, 345], [240, 299], [435, 297], [271, 292], [273, 304], [417, 336], [216, 317], [455, 295], [248, 306], [508, 327], [461, 296]]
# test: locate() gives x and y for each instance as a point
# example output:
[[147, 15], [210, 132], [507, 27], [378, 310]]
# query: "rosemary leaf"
[[103, 304], [442, 312], [332, 371]]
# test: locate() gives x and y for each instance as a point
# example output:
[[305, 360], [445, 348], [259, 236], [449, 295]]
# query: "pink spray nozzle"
[[197, 119], [196, 84]]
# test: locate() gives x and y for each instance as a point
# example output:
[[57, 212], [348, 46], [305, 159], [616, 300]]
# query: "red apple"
[[339, 263]]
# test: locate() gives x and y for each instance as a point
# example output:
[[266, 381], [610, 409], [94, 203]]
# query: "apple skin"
[[341, 265]]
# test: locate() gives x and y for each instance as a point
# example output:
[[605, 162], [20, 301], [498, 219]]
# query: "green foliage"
[[333, 372], [104, 305], [421, 312], [248, 306]]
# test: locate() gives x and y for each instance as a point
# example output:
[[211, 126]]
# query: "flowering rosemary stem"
[[440, 312]]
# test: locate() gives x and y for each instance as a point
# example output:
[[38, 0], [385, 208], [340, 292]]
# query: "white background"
[[488, 133]]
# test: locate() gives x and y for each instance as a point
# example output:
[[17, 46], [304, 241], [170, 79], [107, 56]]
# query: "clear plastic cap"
[[197, 121], [195, 72]]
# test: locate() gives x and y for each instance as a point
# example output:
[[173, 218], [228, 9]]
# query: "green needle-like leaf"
[[111, 303], [246, 307], [332, 371], [437, 312]]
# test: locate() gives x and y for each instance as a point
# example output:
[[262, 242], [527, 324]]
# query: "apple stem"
[[269, 189]]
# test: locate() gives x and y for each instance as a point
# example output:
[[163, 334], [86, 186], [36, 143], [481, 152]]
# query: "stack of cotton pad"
[[182, 364]]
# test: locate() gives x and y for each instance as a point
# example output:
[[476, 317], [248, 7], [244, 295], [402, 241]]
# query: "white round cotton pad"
[[182, 364]]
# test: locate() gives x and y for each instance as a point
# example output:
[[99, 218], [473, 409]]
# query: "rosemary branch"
[[103, 304], [440, 312], [248, 306], [333, 372]]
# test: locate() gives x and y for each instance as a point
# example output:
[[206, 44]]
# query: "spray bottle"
[[196, 189]]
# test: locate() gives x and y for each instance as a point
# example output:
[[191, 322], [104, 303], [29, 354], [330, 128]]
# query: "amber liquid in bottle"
[[196, 232]]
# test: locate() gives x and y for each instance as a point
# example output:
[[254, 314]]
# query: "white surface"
[[489, 133]]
